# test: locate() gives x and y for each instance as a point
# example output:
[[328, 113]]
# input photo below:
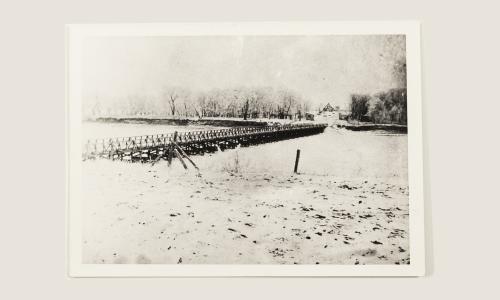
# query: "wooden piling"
[[171, 149], [179, 156], [297, 157], [184, 154]]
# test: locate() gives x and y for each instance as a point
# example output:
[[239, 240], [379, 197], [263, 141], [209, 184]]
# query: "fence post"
[[297, 157]]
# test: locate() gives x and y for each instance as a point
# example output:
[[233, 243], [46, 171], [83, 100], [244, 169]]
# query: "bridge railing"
[[135, 143]]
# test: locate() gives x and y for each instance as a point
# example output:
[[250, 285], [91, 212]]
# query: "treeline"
[[388, 107], [177, 102]]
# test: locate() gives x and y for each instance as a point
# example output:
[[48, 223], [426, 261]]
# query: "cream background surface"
[[460, 105]]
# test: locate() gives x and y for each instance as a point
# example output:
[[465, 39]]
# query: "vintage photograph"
[[238, 149]]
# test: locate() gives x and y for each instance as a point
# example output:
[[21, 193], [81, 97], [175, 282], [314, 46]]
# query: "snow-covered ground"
[[347, 205]]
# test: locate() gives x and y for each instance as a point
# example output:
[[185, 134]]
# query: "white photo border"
[[75, 35]]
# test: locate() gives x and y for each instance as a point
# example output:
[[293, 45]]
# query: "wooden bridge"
[[154, 147]]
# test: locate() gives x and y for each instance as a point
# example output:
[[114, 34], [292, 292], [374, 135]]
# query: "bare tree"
[[288, 100], [199, 105], [173, 95], [302, 108], [186, 110], [172, 99]]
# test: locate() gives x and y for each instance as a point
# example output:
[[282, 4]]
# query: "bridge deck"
[[149, 147]]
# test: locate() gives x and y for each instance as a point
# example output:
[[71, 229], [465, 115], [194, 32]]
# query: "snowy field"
[[347, 205]]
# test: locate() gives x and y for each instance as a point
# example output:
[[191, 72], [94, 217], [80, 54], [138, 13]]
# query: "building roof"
[[328, 107]]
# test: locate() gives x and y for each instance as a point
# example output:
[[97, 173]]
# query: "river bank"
[[216, 122], [371, 127]]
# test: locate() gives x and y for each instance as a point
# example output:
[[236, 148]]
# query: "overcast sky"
[[321, 68]]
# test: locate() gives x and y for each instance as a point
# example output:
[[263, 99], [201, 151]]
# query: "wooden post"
[[179, 156], [297, 157], [171, 149], [184, 154]]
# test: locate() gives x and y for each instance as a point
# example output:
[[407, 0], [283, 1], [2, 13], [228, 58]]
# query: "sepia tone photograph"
[[242, 149]]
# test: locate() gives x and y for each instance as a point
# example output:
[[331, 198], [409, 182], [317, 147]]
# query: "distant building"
[[343, 116], [310, 116], [328, 108]]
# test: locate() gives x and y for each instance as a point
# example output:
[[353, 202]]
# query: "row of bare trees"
[[246, 103]]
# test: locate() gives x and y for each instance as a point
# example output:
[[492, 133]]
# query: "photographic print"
[[247, 149]]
